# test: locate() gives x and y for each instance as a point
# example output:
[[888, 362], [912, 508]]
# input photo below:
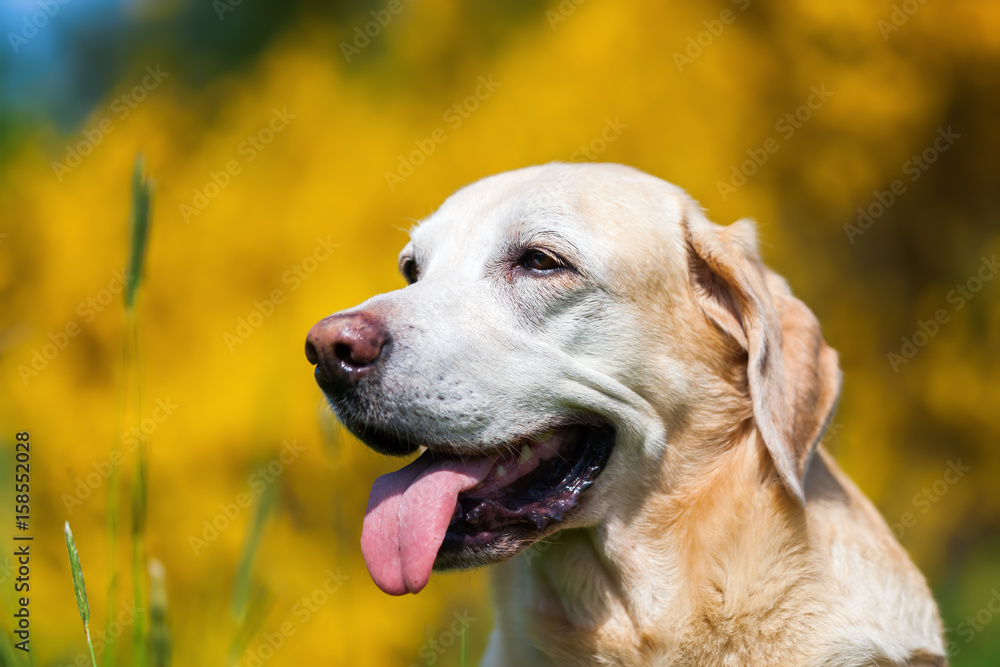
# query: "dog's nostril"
[[311, 354], [344, 352]]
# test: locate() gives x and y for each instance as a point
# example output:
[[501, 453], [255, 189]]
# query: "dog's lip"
[[513, 460], [382, 440], [393, 442], [544, 443], [458, 506], [527, 503]]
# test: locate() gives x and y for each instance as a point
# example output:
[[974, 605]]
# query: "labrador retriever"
[[618, 406]]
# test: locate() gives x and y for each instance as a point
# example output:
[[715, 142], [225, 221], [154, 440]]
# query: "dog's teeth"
[[525, 454], [501, 471]]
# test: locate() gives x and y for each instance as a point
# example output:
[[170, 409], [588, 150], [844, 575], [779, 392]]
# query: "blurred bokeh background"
[[293, 143]]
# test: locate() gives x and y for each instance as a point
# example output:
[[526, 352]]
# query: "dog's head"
[[572, 338]]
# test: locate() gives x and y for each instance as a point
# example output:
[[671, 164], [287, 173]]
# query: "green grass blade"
[[159, 633], [139, 643], [139, 228], [258, 609], [139, 237], [78, 585], [80, 588], [139, 219], [8, 654], [114, 493], [241, 585], [139, 647]]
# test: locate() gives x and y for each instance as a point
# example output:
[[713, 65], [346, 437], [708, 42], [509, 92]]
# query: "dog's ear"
[[793, 376]]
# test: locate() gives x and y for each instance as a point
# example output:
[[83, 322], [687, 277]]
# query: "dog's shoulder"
[[884, 609]]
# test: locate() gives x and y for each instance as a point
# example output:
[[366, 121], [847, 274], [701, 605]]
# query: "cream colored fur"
[[714, 536]]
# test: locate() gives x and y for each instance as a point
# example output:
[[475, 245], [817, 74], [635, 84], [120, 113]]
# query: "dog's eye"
[[539, 260], [408, 267]]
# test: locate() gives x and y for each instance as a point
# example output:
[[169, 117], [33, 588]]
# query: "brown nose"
[[344, 347]]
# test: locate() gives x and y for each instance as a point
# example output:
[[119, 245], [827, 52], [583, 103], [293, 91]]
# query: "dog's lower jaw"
[[731, 574], [497, 552]]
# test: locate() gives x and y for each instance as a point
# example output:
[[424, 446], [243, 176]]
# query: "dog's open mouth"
[[444, 511]]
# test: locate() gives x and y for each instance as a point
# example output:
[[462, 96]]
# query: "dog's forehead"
[[602, 209]]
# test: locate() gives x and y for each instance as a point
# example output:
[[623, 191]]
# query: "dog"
[[619, 408]]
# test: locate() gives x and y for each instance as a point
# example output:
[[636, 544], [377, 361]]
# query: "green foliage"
[[142, 191], [80, 588]]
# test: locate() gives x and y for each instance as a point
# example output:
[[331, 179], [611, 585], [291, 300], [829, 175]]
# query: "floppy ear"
[[793, 376]]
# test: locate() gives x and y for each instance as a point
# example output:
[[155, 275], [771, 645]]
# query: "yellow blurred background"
[[292, 144]]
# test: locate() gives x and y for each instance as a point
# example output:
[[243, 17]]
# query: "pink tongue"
[[408, 513]]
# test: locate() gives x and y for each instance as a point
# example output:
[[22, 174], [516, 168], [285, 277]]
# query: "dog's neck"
[[677, 578]]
